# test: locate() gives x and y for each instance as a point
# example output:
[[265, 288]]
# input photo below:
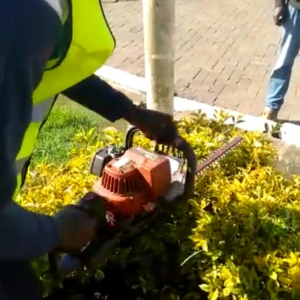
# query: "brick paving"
[[224, 51]]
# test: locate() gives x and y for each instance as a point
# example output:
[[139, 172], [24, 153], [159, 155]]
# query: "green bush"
[[236, 239]]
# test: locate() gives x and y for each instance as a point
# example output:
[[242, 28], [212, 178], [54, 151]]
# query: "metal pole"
[[159, 43]]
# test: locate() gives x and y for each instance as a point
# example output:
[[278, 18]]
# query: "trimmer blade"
[[218, 154]]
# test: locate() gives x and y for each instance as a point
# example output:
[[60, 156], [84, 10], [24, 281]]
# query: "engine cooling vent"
[[123, 185]]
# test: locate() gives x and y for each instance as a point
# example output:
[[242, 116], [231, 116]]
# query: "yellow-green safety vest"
[[91, 44]]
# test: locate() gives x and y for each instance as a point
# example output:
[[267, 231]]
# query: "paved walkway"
[[224, 51]]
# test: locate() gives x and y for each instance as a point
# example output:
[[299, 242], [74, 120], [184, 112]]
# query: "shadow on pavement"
[[295, 122]]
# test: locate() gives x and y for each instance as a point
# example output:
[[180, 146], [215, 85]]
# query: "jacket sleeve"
[[25, 235], [24, 41], [98, 96]]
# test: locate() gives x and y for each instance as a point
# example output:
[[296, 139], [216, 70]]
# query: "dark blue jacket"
[[28, 30]]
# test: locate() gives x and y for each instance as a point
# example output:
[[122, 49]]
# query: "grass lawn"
[[65, 120]]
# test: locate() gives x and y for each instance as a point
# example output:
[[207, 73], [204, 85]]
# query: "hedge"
[[238, 238]]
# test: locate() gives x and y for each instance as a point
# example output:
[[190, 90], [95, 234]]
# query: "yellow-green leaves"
[[243, 222]]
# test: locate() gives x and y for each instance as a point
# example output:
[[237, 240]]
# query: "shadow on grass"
[[246, 231], [155, 257]]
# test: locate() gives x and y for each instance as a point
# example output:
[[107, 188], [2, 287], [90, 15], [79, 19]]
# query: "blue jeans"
[[289, 48]]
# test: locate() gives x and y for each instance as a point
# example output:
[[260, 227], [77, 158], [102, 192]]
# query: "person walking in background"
[[286, 14]]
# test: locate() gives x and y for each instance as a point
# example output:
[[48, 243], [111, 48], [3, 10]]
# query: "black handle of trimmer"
[[94, 206], [188, 153], [129, 135], [180, 144]]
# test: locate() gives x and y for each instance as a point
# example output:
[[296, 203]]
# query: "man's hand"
[[76, 228], [155, 125], [280, 15]]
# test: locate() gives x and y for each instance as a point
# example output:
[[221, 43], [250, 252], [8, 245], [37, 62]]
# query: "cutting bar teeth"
[[218, 154]]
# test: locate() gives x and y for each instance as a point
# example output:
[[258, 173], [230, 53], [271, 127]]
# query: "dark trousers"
[[19, 282]]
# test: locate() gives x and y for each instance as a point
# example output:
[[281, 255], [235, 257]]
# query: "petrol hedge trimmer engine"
[[134, 186], [132, 181]]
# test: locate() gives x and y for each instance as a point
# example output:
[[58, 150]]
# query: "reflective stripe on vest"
[[20, 163], [295, 3], [61, 8], [39, 111], [92, 43]]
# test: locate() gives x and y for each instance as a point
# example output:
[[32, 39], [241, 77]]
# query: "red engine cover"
[[132, 180]]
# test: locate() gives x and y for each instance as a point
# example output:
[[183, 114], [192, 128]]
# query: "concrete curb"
[[288, 133]]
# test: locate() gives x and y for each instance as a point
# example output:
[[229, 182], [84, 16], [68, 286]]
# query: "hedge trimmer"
[[134, 186]]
